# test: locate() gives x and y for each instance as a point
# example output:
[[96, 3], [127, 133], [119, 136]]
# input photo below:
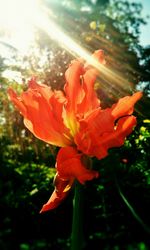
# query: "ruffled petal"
[[17, 101], [74, 95], [62, 188], [79, 90], [73, 89], [40, 88], [125, 105], [42, 110], [90, 100], [92, 128], [116, 138], [103, 129], [70, 165]]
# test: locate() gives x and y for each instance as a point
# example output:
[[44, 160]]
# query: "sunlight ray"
[[43, 21]]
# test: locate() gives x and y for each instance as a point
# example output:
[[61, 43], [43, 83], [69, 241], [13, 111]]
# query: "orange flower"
[[74, 120]]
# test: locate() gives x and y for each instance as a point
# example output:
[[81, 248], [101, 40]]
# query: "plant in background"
[[75, 121]]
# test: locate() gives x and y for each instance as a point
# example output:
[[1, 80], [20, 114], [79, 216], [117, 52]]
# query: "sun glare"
[[44, 21], [16, 22], [13, 75], [18, 19]]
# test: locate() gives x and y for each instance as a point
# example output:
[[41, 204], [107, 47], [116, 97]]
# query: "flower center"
[[71, 123]]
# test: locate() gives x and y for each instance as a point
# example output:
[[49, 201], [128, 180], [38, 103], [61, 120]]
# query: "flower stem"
[[77, 242], [132, 210]]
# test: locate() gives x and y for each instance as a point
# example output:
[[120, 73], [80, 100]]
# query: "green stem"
[[77, 242], [132, 210]]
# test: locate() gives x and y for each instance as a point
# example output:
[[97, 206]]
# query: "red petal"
[[125, 105], [98, 131], [74, 95], [52, 203], [79, 87], [90, 100], [92, 128], [42, 110], [17, 101], [80, 93], [59, 194], [116, 138], [73, 88], [70, 165]]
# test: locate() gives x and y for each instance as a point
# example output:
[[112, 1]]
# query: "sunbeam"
[[22, 27], [45, 22]]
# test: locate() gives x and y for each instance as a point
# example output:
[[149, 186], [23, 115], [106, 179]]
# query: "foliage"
[[111, 31], [26, 183], [145, 60]]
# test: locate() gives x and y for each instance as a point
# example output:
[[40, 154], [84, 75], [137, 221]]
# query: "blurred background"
[[40, 38]]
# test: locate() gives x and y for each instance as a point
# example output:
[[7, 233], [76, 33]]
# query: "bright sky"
[[19, 19], [145, 29], [16, 22]]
